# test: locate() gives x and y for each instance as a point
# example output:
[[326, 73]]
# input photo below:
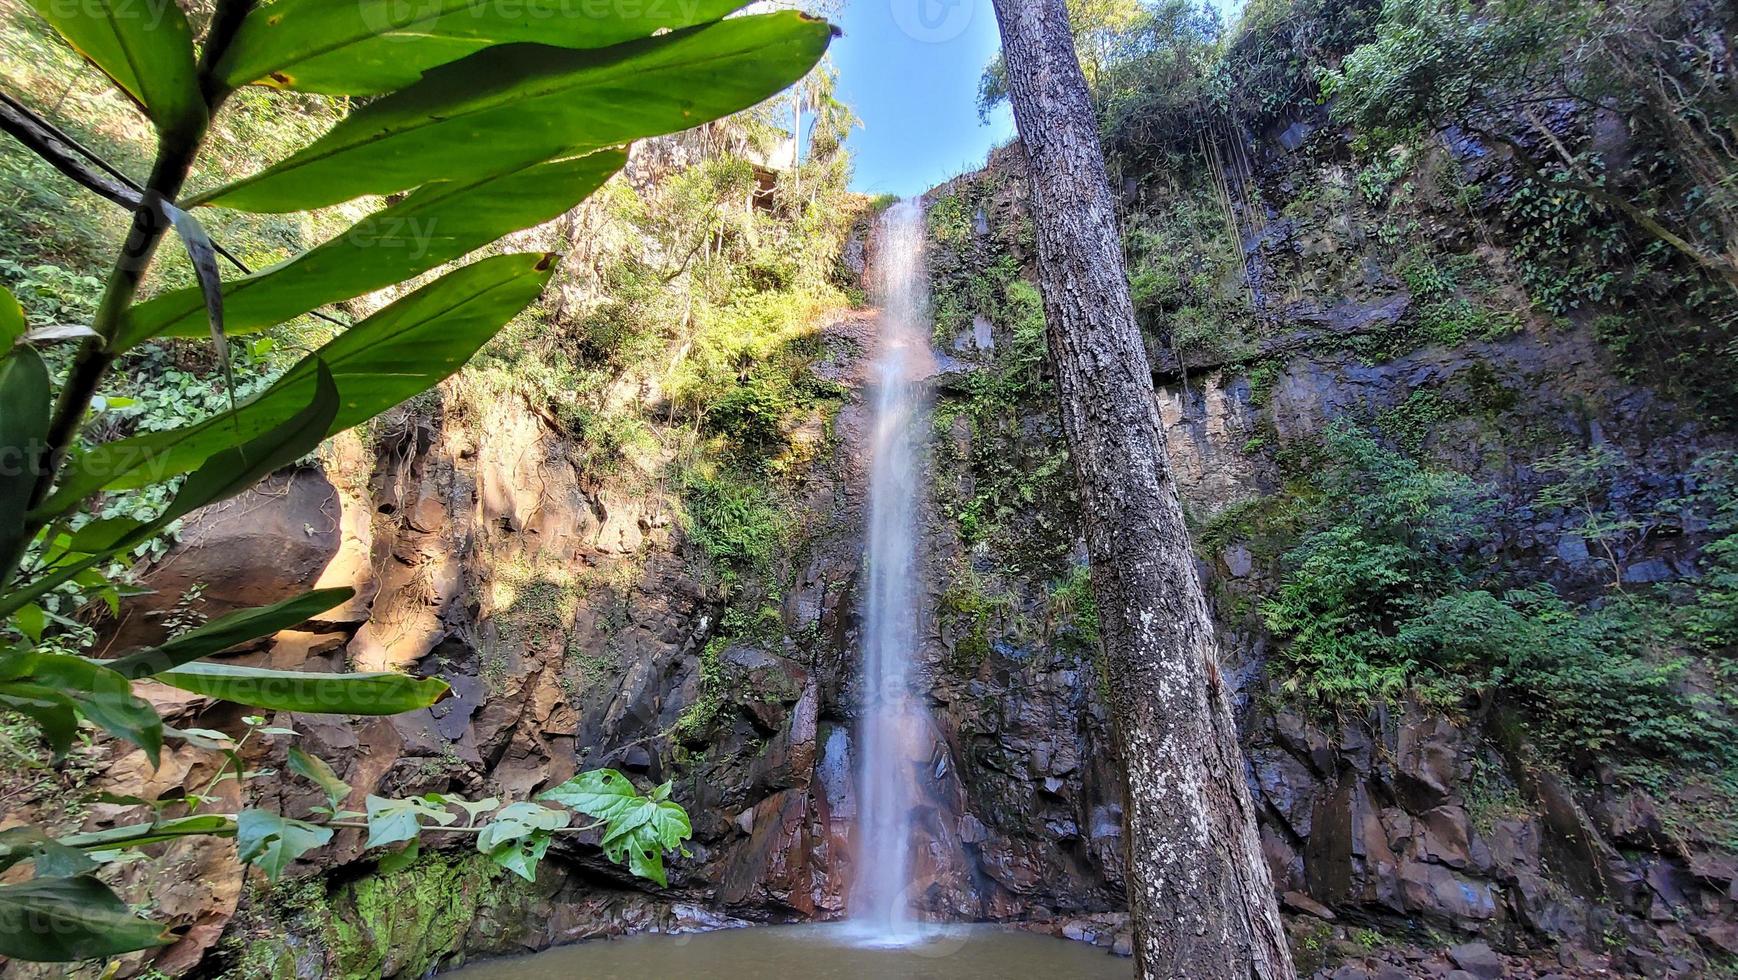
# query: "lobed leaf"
[[602, 793], [519, 836], [637, 829], [272, 842], [392, 821]]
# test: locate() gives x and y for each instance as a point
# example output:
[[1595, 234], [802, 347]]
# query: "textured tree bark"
[[1199, 889]]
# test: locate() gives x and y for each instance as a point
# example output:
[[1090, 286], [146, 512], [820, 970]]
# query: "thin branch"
[[49, 143], [62, 151]]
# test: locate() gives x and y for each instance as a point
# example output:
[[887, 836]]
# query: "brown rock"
[[1303, 903]]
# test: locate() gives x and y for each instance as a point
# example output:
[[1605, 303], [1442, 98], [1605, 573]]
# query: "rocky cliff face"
[[581, 627], [1396, 832]]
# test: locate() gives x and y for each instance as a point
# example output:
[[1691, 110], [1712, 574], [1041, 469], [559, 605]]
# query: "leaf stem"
[[477, 829]]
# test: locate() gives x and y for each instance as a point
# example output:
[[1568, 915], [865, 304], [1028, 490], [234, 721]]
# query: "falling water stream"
[[883, 940], [892, 718]]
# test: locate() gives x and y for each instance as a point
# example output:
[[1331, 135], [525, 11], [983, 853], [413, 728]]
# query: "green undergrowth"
[[1387, 589], [1001, 468]]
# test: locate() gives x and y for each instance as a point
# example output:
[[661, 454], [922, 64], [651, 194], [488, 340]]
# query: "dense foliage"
[[1420, 200], [1389, 591], [550, 110]]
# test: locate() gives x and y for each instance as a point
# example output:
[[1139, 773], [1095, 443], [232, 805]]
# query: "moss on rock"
[[399, 924]]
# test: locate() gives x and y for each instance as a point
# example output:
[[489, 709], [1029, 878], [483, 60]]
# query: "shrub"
[[734, 518]]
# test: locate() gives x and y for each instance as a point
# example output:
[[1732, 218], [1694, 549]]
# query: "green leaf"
[[648, 863], [307, 691], [103, 697], [375, 46], [57, 920], [393, 355], [391, 821], [54, 713], [521, 855], [473, 810], [25, 399], [224, 474], [20, 844], [438, 223], [602, 793], [56, 860], [145, 47], [519, 836], [637, 829], [272, 841], [400, 859], [52, 858], [316, 771], [224, 632], [155, 832], [517, 104], [203, 258], [30, 621], [234, 470], [517, 820], [12, 322]]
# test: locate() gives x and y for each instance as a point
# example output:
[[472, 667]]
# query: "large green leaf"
[[228, 631], [438, 223], [393, 355], [232, 470], [55, 714], [369, 47], [145, 47], [315, 693], [24, 410], [20, 844], [105, 698], [56, 920], [271, 842], [52, 859], [156, 832], [517, 104], [519, 836], [636, 829]]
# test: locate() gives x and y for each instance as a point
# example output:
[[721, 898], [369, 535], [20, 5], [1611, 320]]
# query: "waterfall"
[[893, 728]]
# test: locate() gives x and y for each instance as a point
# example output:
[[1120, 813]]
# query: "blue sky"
[[910, 69]]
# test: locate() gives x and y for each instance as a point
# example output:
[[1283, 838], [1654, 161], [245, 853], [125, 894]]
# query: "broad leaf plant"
[[476, 120]]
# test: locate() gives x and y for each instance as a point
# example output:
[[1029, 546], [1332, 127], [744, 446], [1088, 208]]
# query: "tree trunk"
[[1199, 889]]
